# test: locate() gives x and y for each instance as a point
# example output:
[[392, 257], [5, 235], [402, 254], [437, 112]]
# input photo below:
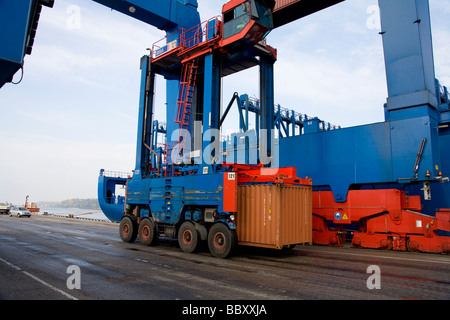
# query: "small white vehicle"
[[4, 208], [20, 212]]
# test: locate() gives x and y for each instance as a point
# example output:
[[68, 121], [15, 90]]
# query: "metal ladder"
[[185, 100]]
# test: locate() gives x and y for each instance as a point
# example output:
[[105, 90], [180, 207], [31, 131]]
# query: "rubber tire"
[[147, 232], [411, 248], [221, 240], [128, 229], [188, 237]]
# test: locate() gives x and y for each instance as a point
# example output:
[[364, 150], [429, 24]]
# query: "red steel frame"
[[253, 30], [248, 173], [241, 174], [193, 43], [387, 219]]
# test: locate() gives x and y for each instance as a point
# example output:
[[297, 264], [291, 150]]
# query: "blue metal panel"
[[165, 15], [14, 18], [267, 112], [172, 87], [440, 192], [406, 136], [382, 153], [312, 126], [241, 148], [167, 197], [145, 116], [112, 206], [211, 110], [340, 158], [408, 52]]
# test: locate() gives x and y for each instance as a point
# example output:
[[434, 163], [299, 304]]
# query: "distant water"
[[76, 212]]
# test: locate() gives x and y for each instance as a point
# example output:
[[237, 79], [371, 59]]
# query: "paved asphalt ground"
[[36, 252]]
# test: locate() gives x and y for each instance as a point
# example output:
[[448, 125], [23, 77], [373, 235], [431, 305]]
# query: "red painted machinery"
[[385, 219]]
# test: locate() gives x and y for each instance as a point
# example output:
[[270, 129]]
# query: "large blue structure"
[[170, 194], [408, 150], [407, 153]]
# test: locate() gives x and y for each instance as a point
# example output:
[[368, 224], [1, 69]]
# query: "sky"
[[75, 111]]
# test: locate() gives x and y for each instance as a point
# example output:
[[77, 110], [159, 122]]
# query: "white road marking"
[[39, 280], [10, 264]]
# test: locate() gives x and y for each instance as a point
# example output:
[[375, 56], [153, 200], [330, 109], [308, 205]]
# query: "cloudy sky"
[[75, 111]]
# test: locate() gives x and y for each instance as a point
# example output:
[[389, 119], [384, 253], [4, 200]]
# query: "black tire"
[[288, 248], [128, 229], [147, 232], [188, 237], [221, 240]]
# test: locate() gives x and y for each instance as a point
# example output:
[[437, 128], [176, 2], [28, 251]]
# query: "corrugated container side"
[[283, 3], [296, 212], [274, 216]]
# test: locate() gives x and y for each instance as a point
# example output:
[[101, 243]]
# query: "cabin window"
[[235, 20], [261, 14]]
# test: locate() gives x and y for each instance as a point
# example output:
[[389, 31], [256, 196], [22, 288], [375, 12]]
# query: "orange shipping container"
[[274, 216], [283, 3]]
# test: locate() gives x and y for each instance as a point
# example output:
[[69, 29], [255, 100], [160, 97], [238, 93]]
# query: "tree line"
[[73, 203]]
